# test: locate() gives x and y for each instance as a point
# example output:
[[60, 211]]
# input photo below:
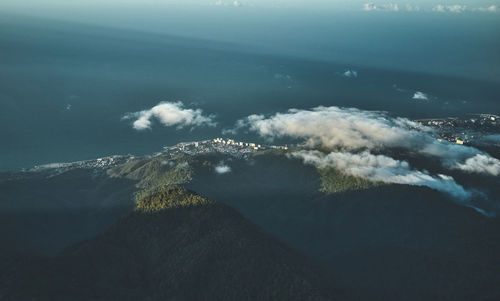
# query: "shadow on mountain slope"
[[178, 246]]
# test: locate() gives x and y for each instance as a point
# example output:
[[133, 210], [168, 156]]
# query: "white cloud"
[[420, 96], [350, 129], [382, 7], [369, 6], [235, 3], [450, 8], [480, 163], [280, 76], [381, 168], [350, 73], [170, 114], [222, 168], [489, 9], [410, 7], [333, 127], [442, 8]]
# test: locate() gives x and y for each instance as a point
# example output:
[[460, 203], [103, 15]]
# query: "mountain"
[[388, 242], [15, 257], [52, 211], [392, 242], [177, 245]]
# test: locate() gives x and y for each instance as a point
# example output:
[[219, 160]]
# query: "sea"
[[65, 84]]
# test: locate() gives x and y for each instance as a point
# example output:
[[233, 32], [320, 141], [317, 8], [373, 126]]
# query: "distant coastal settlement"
[[230, 147], [464, 131], [237, 149], [454, 130]]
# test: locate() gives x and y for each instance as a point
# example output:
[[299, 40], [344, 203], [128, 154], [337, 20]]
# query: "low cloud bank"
[[450, 8], [480, 163], [439, 8], [170, 114], [489, 9], [381, 168], [354, 130]]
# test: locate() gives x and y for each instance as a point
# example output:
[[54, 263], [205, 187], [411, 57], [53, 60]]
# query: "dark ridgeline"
[[387, 242], [175, 245]]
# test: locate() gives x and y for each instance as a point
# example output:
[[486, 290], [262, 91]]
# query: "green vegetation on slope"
[[170, 198], [154, 175], [332, 180], [157, 174], [335, 181]]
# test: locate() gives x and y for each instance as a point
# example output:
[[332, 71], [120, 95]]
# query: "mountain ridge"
[[177, 245]]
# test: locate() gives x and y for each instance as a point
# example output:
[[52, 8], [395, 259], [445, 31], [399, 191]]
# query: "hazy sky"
[[334, 4], [446, 36], [132, 13]]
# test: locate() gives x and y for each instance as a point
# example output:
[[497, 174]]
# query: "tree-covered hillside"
[[390, 242], [178, 245]]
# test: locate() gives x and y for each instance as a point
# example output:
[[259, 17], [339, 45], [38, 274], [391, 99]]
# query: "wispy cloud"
[[489, 9], [170, 114], [234, 3], [450, 8], [480, 163], [441, 8], [380, 7], [410, 7], [382, 168], [280, 76]]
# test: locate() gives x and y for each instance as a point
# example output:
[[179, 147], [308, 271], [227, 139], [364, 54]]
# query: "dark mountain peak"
[[178, 245]]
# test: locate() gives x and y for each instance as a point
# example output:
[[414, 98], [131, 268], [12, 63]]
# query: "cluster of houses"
[[245, 144], [454, 140], [100, 163], [235, 143], [464, 131], [218, 145]]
